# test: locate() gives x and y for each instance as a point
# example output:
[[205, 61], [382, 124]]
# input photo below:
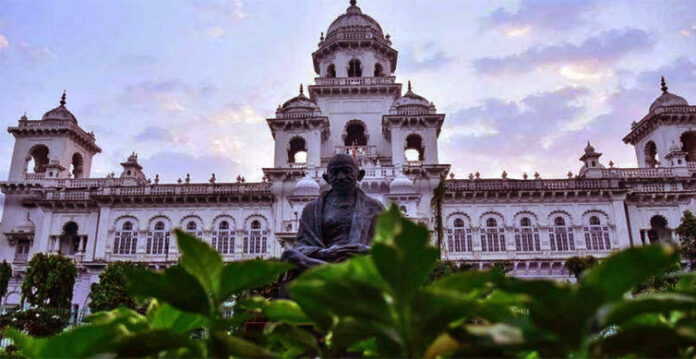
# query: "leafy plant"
[[49, 281], [188, 298], [111, 291], [577, 265], [38, 322], [5, 275], [687, 236]]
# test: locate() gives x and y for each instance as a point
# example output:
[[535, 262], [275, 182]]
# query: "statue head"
[[343, 173]]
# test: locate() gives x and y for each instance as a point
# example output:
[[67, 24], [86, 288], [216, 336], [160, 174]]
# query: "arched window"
[[688, 140], [560, 236], [331, 71], [255, 239], [597, 235], [492, 237], [297, 151], [354, 68], [651, 159], [158, 240], [526, 237], [379, 71], [37, 159], [414, 150], [76, 165], [355, 134], [459, 238], [223, 238], [126, 240], [70, 240]]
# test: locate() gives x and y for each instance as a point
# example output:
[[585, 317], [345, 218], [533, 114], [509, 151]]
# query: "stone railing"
[[691, 166], [188, 189], [637, 172], [517, 185], [34, 176], [369, 151], [353, 81], [67, 196], [296, 114]]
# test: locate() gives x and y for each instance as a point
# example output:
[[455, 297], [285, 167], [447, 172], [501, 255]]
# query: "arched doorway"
[[355, 134], [651, 160], [688, 140], [297, 151], [76, 165], [414, 150], [659, 232], [37, 159]]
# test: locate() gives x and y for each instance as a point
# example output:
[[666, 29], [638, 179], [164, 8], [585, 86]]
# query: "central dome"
[[354, 21], [60, 112]]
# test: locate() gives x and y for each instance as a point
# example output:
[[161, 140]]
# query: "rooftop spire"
[[301, 90], [409, 85], [62, 99], [663, 84]]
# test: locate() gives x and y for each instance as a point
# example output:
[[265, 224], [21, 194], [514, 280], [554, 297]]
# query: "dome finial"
[[663, 84], [62, 99], [301, 90], [352, 2], [409, 85]]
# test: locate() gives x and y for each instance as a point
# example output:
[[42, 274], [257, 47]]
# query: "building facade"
[[354, 106]]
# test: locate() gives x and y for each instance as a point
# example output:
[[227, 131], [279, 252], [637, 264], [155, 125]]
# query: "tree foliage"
[[687, 236], [5, 275], [111, 291], [577, 265], [383, 305], [49, 281]]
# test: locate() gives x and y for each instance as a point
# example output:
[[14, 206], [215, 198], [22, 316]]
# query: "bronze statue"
[[338, 224]]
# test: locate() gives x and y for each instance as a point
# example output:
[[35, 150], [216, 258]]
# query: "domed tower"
[[53, 147], [670, 120], [355, 63], [413, 126]]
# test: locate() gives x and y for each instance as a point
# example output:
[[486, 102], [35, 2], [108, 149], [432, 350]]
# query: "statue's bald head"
[[343, 173], [342, 160]]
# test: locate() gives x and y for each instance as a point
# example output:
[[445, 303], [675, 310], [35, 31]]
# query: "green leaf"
[[244, 275], [295, 340], [223, 345], [405, 260], [287, 311], [649, 303], [470, 282], [164, 316], [80, 342], [174, 286], [642, 341], [202, 261], [620, 272], [152, 342]]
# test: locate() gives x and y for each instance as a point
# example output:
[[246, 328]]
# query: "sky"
[[188, 84]]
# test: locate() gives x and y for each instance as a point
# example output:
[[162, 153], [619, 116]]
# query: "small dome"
[[60, 112], [306, 186], [412, 101], [401, 185], [299, 103], [354, 21], [25, 226], [667, 99], [589, 149]]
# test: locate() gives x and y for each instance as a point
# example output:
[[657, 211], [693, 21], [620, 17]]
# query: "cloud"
[[154, 133], [546, 14], [426, 57], [3, 42], [237, 114], [232, 9], [607, 46], [168, 95], [34, 53], [171, 166], [514, 135]]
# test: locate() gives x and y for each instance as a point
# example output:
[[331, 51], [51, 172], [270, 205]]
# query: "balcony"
[[357, 151], [354, 81]]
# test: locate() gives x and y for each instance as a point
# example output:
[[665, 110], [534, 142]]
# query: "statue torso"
[[336, 219]]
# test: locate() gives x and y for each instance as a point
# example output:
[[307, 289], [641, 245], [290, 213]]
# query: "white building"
[[355, 106]]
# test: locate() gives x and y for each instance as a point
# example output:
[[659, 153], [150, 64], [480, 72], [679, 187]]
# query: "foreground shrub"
[[49, 281], [111, 291]]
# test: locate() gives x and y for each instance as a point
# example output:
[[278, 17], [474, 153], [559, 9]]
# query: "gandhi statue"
[[338, 224]]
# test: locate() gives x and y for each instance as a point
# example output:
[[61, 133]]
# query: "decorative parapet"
[[354, 81], [28, 128], [531, 185]]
